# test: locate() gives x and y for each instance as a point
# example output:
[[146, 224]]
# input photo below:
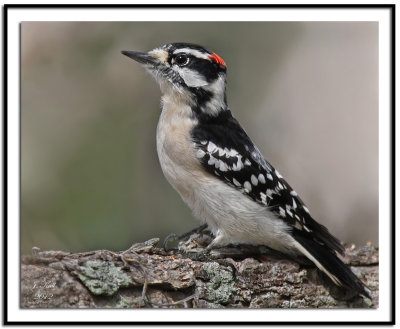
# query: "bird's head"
[[184, 68]]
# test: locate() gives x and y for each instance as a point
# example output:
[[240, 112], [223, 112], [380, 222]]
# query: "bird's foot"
[[204, 255], [176, 237]]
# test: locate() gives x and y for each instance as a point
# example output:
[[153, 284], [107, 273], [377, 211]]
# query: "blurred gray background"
[[306, 92]]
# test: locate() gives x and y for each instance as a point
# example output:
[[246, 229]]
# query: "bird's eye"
[[181, 59]]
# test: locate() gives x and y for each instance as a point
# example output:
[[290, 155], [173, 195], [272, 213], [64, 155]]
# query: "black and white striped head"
[[187, 68]]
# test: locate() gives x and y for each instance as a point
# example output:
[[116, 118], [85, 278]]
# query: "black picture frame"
[[6, 10]]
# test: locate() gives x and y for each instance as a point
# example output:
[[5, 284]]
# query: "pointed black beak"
[[143, 58]]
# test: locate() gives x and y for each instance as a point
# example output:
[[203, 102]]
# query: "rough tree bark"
[[147, 276]]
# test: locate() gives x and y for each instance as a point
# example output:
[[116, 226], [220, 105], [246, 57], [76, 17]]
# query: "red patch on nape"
[[214, 57]]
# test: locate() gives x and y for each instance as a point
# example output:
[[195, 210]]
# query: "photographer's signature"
[[42, 291]]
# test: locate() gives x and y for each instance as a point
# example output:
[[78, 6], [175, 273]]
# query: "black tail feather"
[[332, 264]]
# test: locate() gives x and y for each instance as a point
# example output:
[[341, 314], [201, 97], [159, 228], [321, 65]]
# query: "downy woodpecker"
[[218, 171]]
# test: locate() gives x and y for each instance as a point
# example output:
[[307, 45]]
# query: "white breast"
[[175, 148]]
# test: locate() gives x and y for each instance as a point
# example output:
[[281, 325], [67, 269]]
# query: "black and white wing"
[[226, 151]]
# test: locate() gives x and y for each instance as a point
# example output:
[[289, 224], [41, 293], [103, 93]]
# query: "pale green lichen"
[[103, 278], [220, 289], [124, 303]]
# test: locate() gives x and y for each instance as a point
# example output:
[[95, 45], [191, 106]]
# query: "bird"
[[209, 159]]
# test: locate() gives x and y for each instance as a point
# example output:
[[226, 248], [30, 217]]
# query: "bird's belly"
[[238, 218]]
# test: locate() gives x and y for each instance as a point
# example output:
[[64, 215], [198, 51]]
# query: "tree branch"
[[147, 276]]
